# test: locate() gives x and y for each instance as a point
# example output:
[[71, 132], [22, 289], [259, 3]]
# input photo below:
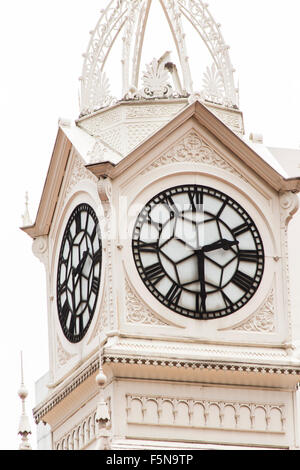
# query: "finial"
[[102, 415], [24, 426], [26, 216]]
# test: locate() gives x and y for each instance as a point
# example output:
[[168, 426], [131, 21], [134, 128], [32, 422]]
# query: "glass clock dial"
[[79, 271], [198, 252]]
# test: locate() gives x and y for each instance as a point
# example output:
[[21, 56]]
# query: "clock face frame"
[[198, 252], [79, 272]]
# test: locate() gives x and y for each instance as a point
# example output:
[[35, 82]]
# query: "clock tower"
[[164, 233]]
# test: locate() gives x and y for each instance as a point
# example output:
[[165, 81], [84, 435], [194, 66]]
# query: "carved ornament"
[[137, 312], [195, 150], [40, 249]]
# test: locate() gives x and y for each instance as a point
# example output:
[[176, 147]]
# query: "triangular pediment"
[[200, 118], [196, 117]]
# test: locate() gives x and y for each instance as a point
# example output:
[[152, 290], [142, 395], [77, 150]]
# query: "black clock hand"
[[225, 244], [81, 264], [201, 275]]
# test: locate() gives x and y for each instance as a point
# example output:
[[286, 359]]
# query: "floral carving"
[[193, 149], [62, 355], [78, 173], [98, 153], [155, 80], [213, 86], [263, 321], [137, 312]]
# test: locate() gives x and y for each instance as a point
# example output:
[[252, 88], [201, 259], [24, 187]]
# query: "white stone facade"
[[173, 382]]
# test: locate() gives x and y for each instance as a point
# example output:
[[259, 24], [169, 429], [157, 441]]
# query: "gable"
[[212, 126]]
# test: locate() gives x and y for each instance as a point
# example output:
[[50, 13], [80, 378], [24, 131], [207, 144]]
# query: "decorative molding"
[[137, 312], [193, 149], [78, 172], [98, 153], [104, 187], [231, 119], [289, 204], [40, 249], [62, 355], [206, 414], [45, 407], [153, 110], [103, 321], [82, 434]]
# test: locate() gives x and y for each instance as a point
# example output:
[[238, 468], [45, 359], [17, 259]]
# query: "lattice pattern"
[[129, 17]]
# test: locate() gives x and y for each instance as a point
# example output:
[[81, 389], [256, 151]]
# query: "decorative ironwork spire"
[[129, 18]]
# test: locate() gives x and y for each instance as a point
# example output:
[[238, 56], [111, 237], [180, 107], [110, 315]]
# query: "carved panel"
[[137, 312], [62, 355], [78, 173], [206, 414], [195, 150], [262, 321]]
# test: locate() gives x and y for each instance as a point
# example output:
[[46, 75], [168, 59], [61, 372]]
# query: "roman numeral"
[[200, 303], [155, 273], [221, 209], [72, 326], [251, 256], [95, 285], [171, 206], [69, 238], [146, 247], [237, 231], [227, 301], [174, 294], [196, 200], [64, 313], [78, 222], [97, 257], [94, 233], [243, 281], [62, 287]]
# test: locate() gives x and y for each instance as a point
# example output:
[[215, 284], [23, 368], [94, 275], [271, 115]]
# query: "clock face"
[[79, 271], [198, 252]]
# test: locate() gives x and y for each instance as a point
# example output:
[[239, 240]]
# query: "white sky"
[[41, 51]]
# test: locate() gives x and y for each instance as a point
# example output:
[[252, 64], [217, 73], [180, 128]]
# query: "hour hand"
[[223, 243], [81, 264]]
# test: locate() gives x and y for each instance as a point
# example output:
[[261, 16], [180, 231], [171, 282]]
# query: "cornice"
[[279, 371]]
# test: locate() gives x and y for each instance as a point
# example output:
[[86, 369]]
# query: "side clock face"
[[198, 252], [79, 271]]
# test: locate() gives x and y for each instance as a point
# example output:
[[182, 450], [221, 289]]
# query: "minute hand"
[[223, 243]]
